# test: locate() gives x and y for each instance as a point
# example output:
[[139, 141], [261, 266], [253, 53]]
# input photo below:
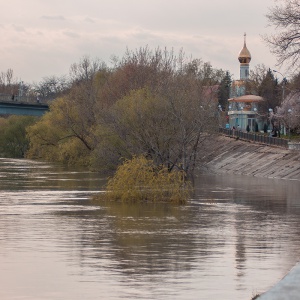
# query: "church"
[[242, 105]]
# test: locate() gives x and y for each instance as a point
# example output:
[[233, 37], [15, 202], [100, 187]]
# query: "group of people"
[[274, 133], [15, 98]]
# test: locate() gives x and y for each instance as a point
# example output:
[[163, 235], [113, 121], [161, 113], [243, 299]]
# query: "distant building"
[[243, 107]]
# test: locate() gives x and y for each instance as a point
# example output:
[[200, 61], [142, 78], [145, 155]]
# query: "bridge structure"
[[24, 106]]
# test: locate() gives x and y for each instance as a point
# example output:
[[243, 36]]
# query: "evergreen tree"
[[270, 90], [224, 90]]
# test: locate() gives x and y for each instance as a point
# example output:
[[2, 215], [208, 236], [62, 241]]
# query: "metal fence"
[[255, 137], [16, 99]]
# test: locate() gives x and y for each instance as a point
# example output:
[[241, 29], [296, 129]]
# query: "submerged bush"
[[139, 179]]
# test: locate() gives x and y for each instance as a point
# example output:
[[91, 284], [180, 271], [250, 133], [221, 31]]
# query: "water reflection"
[[236, 237]]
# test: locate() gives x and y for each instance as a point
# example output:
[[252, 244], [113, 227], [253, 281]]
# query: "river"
[[235, 238]]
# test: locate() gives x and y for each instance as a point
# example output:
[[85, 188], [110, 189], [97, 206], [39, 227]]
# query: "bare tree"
[[51, 87], [8, 83], [152, 103], [169, 110], [285, 42], [6, 77], [86, 69]]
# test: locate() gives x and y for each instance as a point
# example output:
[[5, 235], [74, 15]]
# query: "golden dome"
[[244, 56]]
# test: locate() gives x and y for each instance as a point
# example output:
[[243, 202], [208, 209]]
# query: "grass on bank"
[[140, 180]]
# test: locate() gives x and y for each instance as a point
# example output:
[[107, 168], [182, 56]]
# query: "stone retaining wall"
[[223, 154], [294, 146]]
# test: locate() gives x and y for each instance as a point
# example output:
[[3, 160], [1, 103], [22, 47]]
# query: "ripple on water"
[[235, 237]]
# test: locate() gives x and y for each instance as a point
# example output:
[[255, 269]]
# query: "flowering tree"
[[289, 111]]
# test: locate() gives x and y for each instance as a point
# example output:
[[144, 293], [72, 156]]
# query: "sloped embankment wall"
[[223, 154]]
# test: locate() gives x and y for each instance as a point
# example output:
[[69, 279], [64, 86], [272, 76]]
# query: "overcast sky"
[[41, 38]]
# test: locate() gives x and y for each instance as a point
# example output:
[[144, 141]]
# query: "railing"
[[22, 99], [258, 138]]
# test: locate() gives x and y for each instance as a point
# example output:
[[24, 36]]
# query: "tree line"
[[149, 102]]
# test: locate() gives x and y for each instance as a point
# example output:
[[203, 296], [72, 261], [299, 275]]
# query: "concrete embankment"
[[288, 288], [224, 154]]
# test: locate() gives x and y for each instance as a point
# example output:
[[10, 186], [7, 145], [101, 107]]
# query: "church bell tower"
[[244, 59]]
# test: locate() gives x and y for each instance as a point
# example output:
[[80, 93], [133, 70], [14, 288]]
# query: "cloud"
[[18, 28], [89, 20], [50, 36], [54, 18], [71, 34]]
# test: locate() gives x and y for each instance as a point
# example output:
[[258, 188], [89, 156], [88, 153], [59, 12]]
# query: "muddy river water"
[[235, 238]]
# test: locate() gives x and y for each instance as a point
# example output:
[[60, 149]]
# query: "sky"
[[42, 38]]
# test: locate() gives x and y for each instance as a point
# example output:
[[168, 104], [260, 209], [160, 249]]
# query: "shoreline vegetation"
[[147, 119]]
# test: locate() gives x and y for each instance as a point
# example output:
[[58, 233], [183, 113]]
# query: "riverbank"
[[224, 154], [287, 288]]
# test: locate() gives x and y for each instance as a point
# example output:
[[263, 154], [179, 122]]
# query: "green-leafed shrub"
[[139, 179], [13, 139]]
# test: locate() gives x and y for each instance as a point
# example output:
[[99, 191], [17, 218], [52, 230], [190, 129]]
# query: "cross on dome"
[[244, 56]]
